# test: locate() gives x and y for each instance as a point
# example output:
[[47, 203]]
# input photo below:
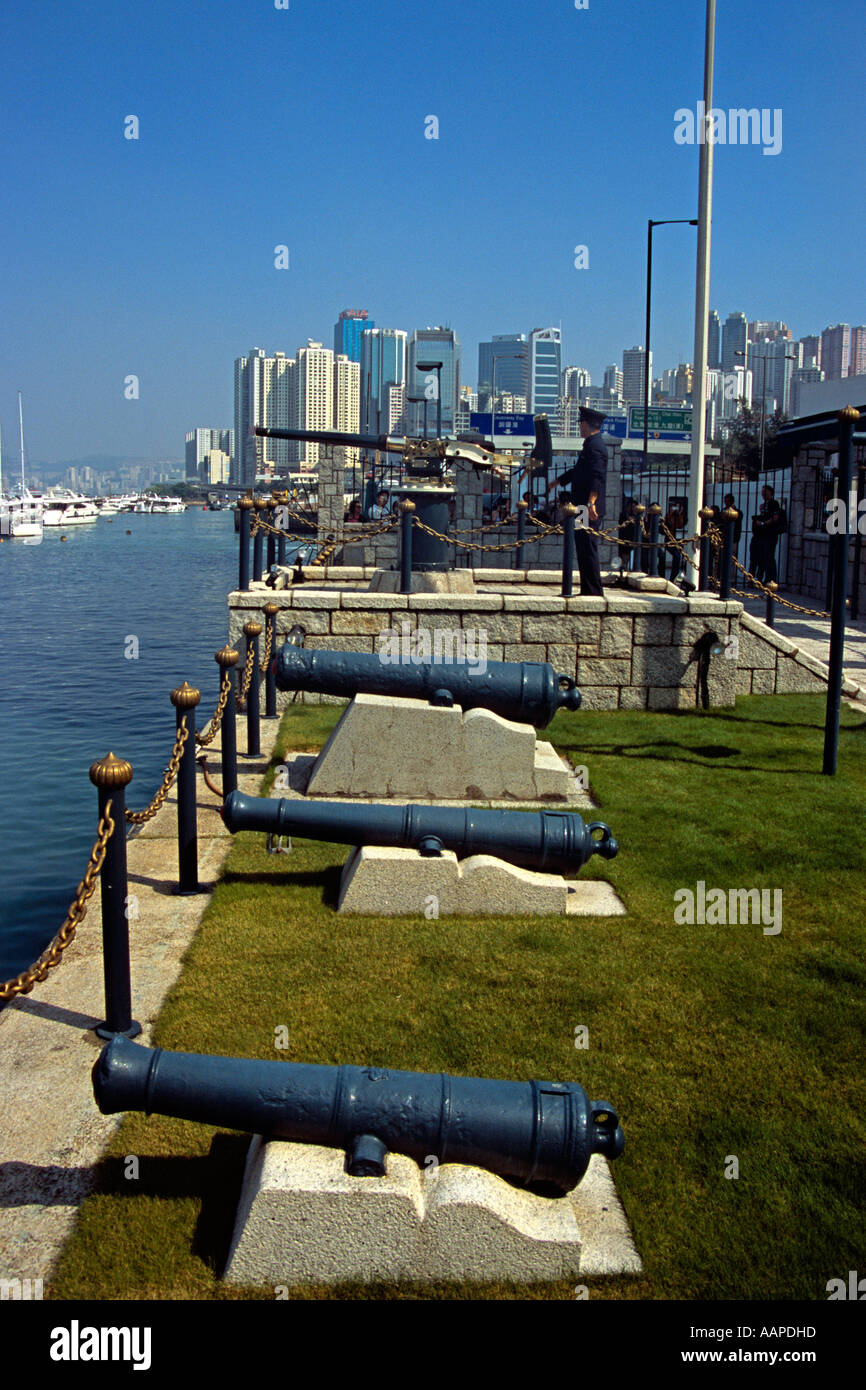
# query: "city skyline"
[[157, 224]]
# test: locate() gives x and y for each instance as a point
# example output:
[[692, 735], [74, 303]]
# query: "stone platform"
[[303, 1220]]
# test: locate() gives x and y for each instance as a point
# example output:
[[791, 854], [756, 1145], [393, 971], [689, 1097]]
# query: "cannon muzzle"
[[363, 441], [529, 692], [539, 1134], [547, 841]]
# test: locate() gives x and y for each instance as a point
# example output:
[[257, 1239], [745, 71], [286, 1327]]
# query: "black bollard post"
[[656, 554], [282, 514], [185, 699], [226, 659], [111, 776], [569, 512], [522, 509], [253, 631], [245, 505], [258, 540], [705, 515], [772, 590], [729, 517], [638, 534], [407, 508], [272, 540], [270, 611]]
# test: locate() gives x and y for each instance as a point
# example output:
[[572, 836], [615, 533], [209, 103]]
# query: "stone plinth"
[[303, 1220], [431, 582], [385, 746], [387, 881]]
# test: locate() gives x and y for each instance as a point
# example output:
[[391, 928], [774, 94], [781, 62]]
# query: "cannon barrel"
[[557, 842], [364, 441], [529, 692], [540, 1134]]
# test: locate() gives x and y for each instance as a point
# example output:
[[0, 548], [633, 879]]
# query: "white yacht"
[[167, 506], [21, 516], [65, 508]]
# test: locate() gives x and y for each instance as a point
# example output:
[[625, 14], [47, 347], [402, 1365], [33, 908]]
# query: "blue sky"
[[305, 127]]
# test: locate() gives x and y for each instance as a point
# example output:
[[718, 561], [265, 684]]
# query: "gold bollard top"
[[523, 504], [730, 513], [261, 504], [111, 772], [271, 609], [654, 509], [639, 508], [227, 656], [772, 586], [705, 513], [245, 503], [569, 509], [252, 629], [407, 505], [185, 697], [849, 412]]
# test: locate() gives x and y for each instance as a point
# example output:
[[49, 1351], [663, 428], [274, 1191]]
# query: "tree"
[[745, 439]]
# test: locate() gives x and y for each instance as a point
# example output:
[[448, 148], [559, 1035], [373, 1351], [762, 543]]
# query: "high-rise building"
[[836, 351], [802, 376], [735, 338], [574, 380], [545, 370], [434, 345], [613, 383], [264, 394], [511, 352], [347, 333], [768, 328], [810, 347], [857, 362], [315, 377], [683, 380], [633, 360], [199, 444], [383, 373], [773, 382], [347, 402], [714, 341]]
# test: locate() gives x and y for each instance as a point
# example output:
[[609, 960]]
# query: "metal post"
[[407, 507], [272, 540], [258, 541], [226, 659], [657, 564], [854, 609], [638, 533], [772, 590], [253, 631], [185, 699], [111, 776], [569, 512], [245, 505], [281, 538], [729, 517], [705, 515], [522, 509], [702, 277], [839, 553], [270, 611]]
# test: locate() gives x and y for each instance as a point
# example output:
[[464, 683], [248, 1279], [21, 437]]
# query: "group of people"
[[380, 511]]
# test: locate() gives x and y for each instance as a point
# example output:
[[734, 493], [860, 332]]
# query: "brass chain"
[[244, 683], [53, 953], [269, 641], [140, 817], [777, 598], [204, 739]]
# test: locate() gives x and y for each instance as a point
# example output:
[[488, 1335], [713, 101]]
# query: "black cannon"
[[539, 1134], [529, 692], [547, 841]]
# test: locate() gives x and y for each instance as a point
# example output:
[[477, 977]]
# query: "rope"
[[139, 817], [202, 762], [53, 953]]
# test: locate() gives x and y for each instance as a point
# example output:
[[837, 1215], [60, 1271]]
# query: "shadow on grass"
[[327, 879]]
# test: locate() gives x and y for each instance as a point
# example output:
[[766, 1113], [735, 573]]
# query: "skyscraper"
[[714, 341], [347, 402], [777, 353], [347, 332], [811, 350], [633, 360], [512, 365], [836, 351], [264, 394], [857, 365], [768, 328], [434, 345], [199, 443], [545, 351], [735, 338], [613, 383], [315, 377], [383, 373]]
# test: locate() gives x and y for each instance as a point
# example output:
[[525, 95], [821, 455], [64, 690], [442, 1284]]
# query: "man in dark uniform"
[[588, 478]]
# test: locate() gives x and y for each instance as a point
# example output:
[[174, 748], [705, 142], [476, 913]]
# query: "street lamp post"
[[420, 400], [437, 368], [668, 222], [788, 357]]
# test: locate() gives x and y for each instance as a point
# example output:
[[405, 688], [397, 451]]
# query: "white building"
[[633, 360], [264, 395], [199, 443]]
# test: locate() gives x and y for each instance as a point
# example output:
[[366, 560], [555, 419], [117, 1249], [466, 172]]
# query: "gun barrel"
[[538, 1133], [529, 692], [364, 441], [547, 841]]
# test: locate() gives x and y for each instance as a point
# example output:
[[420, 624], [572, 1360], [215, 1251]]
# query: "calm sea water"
[[69, 693]]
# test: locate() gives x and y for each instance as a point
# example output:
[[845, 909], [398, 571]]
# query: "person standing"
[[768, 526], [588, 480]]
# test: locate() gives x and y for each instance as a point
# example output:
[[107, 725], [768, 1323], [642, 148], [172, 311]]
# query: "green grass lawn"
[[710, 1041]]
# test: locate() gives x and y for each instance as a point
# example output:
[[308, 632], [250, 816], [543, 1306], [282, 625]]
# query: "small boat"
[[69, 509], [25, 512]]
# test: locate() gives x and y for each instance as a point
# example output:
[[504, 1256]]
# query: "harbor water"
[[95, 631]]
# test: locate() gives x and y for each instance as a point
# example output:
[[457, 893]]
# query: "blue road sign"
[[504, 426]]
